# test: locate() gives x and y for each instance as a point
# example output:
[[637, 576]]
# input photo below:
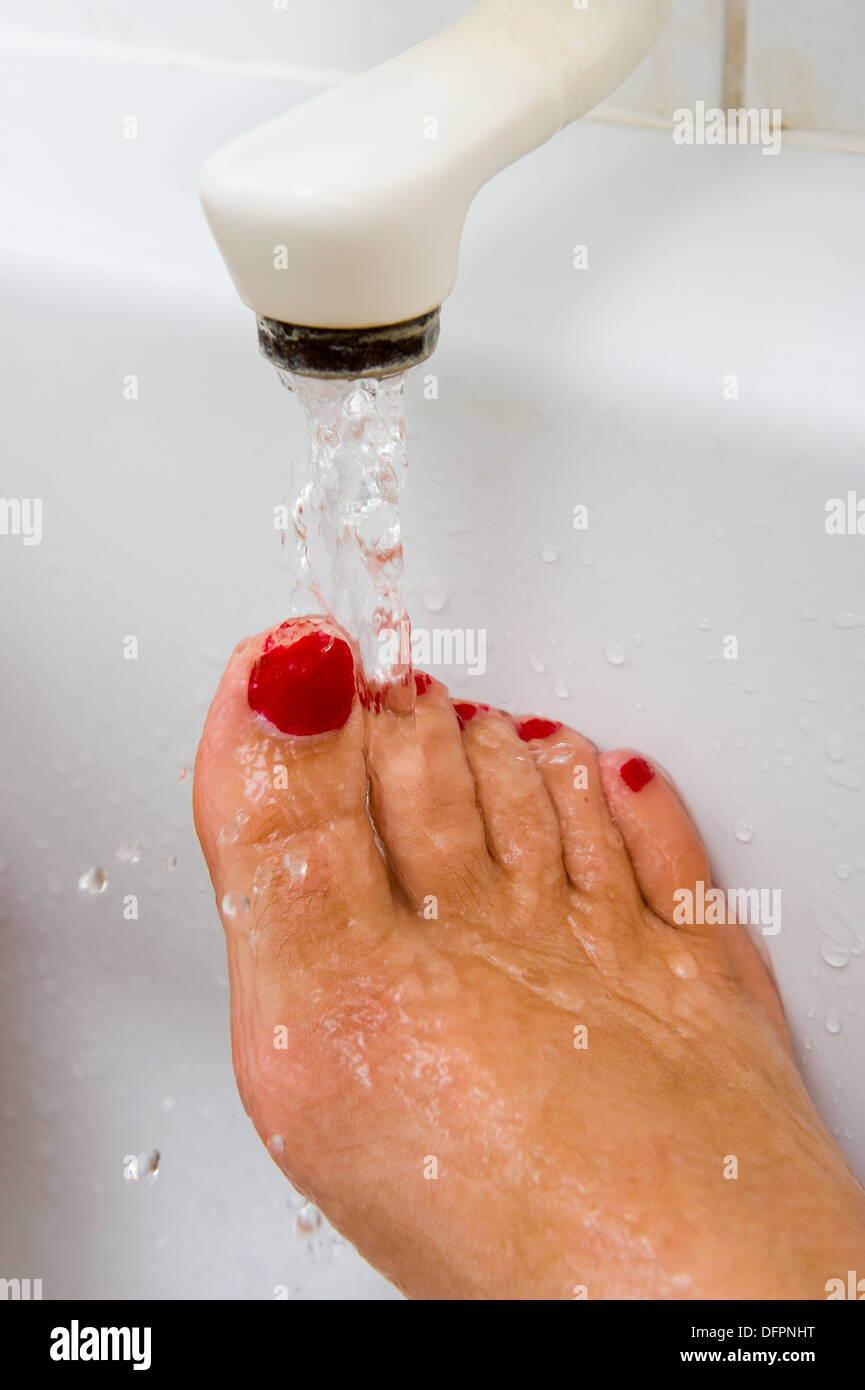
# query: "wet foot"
[[464, 1021]]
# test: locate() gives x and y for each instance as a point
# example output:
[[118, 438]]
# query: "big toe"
[[280, 796]]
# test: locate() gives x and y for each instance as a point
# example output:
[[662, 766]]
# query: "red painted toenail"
[[465, 711], [635, 773], [422, 682], [305, 688], [536, 728]]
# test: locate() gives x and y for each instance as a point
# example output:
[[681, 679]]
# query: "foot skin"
[[462, 1020]]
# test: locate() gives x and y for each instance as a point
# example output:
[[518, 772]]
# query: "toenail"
[[306, 687], [635, 773], [422, 682], [536, 728], [465, 711]]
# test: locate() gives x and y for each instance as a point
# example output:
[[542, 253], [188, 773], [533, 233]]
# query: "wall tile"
[[807, 58], [686, 64]]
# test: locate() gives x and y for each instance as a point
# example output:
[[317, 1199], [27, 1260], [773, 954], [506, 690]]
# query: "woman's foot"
[[463, 1021]]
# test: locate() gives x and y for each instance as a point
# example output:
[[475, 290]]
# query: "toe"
[[423, 802], [667, 853], [281, 788], [521, 826], [595, 857]]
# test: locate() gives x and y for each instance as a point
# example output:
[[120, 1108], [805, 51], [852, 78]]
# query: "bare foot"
[[462, 1018]]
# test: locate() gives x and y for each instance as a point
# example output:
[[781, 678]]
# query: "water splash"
[[346, 516]]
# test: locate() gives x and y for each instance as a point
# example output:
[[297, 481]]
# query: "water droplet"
[[235, 904], [842, 871], [840, 777], [749, 687], [616, 654], [308, 1220], [833, 1024], [563, 690], [537, 665], [358, 403], [808, 1044], [129, 852], [434, 595], [844, 620], [834, 953], [185, 771], [550, 553], [137, 1167], [683, 965], [170, 863], [835, 748], [93, 881], [743, 831], [717, 745], [296, 865], [704, 624], [808, 615], [276, 1145], [805, 724]]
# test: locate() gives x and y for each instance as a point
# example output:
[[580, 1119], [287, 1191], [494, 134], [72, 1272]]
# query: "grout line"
[[22, 41], [735, 54]]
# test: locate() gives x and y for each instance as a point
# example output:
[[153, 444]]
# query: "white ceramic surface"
[[602, 386]]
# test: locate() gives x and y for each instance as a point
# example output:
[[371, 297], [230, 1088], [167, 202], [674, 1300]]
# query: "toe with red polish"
[[636, 773], [529, 729]]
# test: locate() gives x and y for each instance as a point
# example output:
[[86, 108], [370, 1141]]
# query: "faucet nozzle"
[[348, 352]]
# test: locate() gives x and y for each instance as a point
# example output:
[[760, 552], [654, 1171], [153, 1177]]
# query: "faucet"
[[340, 222]]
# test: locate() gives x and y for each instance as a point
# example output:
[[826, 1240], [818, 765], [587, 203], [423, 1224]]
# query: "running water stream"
[[347, 518]]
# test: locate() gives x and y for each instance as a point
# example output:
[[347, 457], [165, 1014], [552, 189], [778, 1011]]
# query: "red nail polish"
[[465, 711], [536, 728], [635, 773], [422, 682], [307, 687]]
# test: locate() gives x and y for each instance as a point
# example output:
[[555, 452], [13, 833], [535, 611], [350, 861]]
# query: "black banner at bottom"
[[62, 1338]]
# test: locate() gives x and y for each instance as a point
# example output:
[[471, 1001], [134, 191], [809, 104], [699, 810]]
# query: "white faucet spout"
[[347, 212]]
